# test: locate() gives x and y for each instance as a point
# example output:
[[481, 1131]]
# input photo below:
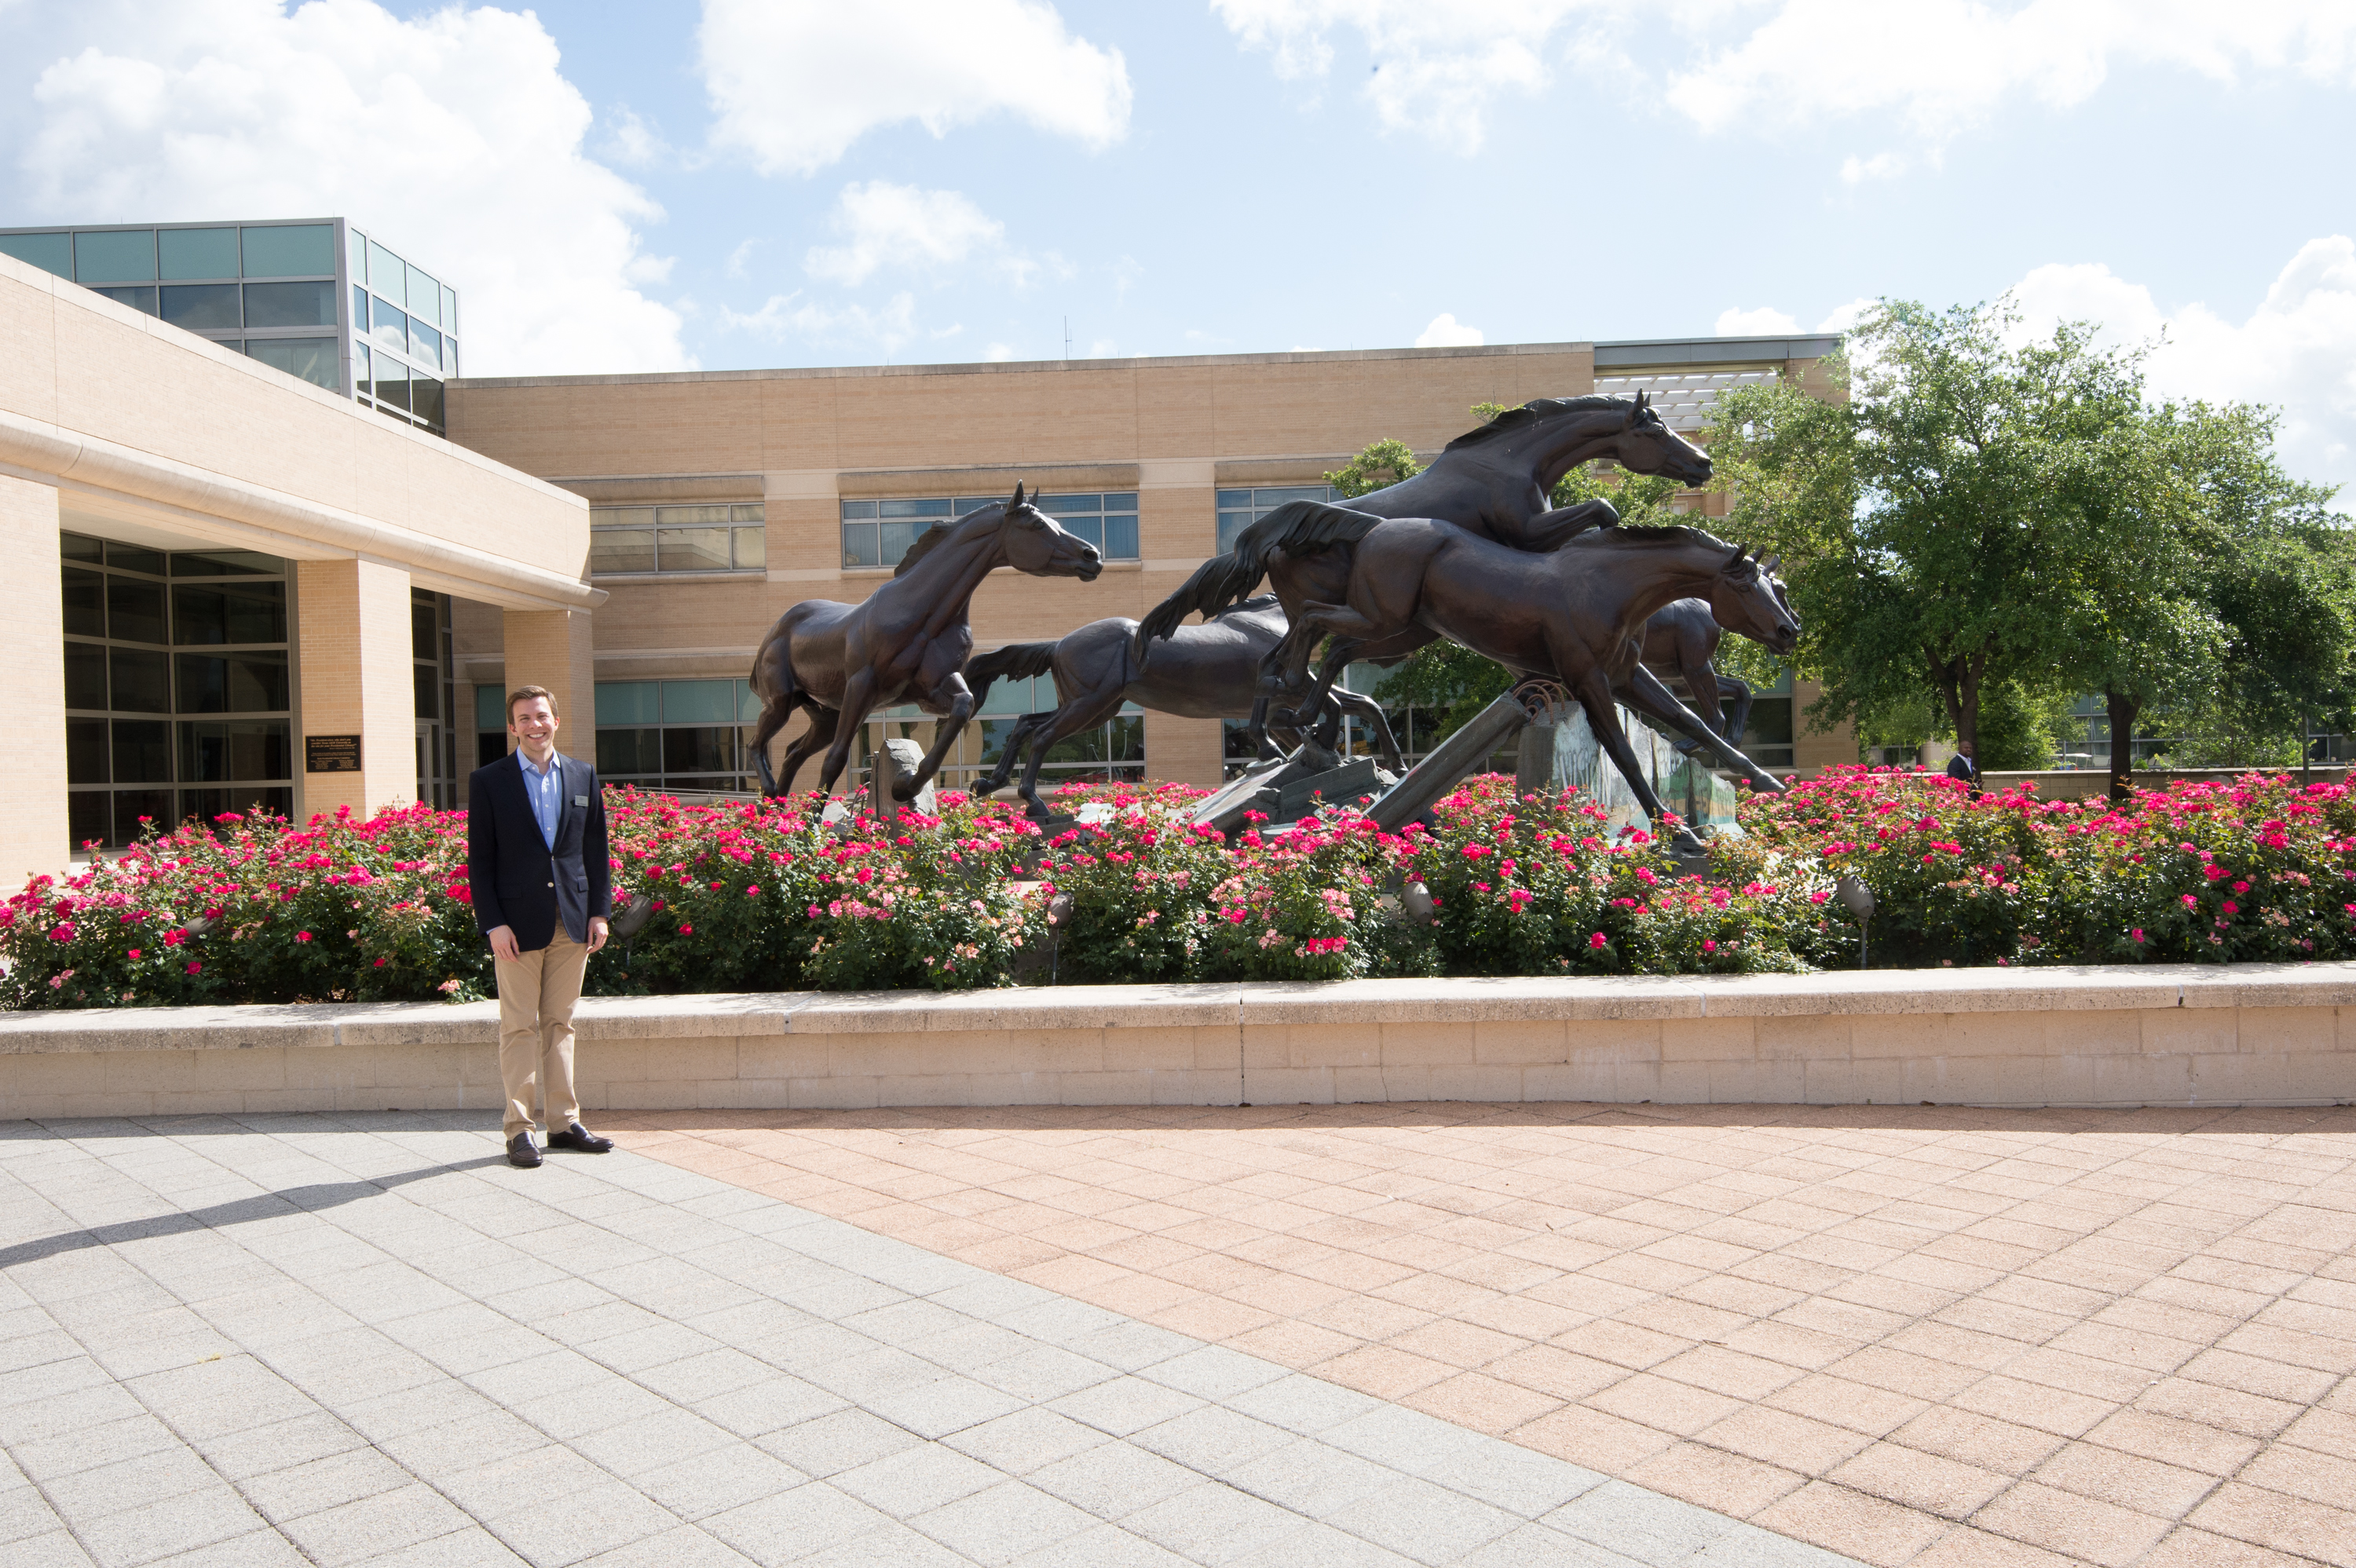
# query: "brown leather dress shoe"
[[520, 1154], [579, 1139]]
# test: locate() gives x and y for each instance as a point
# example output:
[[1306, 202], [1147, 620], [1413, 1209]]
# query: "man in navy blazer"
[[542, 884]]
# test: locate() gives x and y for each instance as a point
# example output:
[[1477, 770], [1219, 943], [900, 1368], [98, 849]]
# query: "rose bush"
[[770, 896]]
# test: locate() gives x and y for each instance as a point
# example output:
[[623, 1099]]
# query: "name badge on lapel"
[[582, 801]]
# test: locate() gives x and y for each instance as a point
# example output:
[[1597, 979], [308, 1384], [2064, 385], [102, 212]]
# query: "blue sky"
[[755, 183]]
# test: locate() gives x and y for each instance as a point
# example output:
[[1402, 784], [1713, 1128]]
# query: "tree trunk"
[[2123, 710], [1948, 677], [1968, 719]]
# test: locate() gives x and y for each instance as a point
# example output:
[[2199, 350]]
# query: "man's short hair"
[[525, 694]]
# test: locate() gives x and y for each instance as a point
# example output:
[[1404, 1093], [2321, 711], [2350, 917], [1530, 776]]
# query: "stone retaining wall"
[[2251, 1034]]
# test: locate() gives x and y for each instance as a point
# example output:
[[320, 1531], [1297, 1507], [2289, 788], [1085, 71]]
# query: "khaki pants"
[[537, 993]]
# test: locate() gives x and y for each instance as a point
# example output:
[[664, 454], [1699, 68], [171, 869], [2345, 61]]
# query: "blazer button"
[[551, 884]]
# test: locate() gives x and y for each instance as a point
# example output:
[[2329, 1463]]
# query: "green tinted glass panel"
[[449, 308], [425, 400], [699, 702], [628, 703], [291, 305], [301, 250], [309, 359], [355, 254], [626, 753], [196, 253], [915, 508], [749, 705], [50, 252], [140, 297], [852, 509], [489, 700], [388, 273], [201, 307], [424, 297], [117, 256]]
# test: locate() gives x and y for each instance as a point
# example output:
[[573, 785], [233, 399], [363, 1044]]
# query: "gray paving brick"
[[1212, 1523], [808, 1518], [1021, 1443], [653, 1441], [322, 1483], [943, 1405], [502, 1484], [1113, 1480], [682, 1547], [1126, 1405], [130, 1483], [1636, 1523], [1213, 1372], [1106, 1546], [369, 1526], [915, 1480], [707, 1375], [833, 1443], [1404, 1439], [1309, 1478], [1213, 1439], [1322, 1546], [717, 1480], [84, 1447], [560, 1532], [1043, 1372], [166, 1527], [24, 1513], [1304, 1404], [1008, 1521], [470, 1547], [576, 1413], [1430, 1523], [759, 1408], [1536, 1546], [54, 1550], [1513, 1478]]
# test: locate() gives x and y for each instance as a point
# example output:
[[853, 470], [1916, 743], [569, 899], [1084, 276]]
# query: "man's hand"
[[598, 931], [503, 942]]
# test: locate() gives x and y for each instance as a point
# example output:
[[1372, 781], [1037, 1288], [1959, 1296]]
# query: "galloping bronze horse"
[[1679, 646], [1492, 482], [908, 642], [1206, 671], [1571, 616]]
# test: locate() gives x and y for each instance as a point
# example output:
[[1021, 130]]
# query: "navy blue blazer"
[[516, 880]]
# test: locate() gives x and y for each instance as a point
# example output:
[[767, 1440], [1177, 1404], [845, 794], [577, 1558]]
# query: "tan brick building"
[[720, 499]]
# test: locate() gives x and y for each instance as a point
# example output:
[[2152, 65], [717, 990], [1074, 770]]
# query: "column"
[[33, 834], [553, 648], [354, 660], [1187, 750]]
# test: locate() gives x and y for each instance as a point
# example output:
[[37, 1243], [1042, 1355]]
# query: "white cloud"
[[2296, 351], [1945, 65], [635, 141], [1447, 332], [883, 224], [1437, 63], [454, 138], [1880, 167], [1764, 322], [793, 83], [1841, 317], [998, 351], [740, 261], [789, 317]]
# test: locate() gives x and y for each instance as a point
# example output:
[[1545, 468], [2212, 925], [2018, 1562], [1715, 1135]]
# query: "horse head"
[[1645, 444], [1749, 598], [1037, 544]]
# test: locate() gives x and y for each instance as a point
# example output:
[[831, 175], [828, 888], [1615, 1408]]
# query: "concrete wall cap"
[[2055, 989], [169, 1028], [1474, 999], [1035, 1008]]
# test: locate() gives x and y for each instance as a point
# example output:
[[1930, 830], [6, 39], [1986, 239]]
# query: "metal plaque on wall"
[[331, 753]]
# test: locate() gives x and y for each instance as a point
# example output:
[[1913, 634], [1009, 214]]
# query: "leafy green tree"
[[1381, 465]]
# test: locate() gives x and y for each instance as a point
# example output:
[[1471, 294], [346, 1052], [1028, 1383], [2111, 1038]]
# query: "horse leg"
[[945, 735], [820, 732], [1259, 725], [773, 716], [1595, 693], [1337, 659], [857, 701], [1737, 721], [1090, 707], [1360, 706], [1010, 754], [1702, 681], [1647, 695]]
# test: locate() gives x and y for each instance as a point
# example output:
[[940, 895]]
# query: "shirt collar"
[[524, 762]]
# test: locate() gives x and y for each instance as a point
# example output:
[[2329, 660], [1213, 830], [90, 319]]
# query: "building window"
[[404, 334], [1114, 750], [434, 675], [676, 734], [629, 540], [178, 686], [1239, 509], [878, 533]]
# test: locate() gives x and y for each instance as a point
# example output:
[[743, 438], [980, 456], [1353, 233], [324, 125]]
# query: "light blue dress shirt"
[[545, 789]]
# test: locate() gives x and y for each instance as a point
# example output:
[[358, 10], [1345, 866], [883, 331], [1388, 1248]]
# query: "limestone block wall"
[[2159, 1036], [34, 831]]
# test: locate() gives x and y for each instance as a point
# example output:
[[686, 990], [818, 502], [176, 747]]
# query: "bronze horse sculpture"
[[907, 643], [1210, 670], [1492, 482], [1571, 616]]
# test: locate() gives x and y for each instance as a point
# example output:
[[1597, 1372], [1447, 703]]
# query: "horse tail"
[[1016, 661], [1297, 528]]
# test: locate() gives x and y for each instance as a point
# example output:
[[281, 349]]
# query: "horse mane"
[[1646, 534], [937, 535], [1536, 409], [1246, 606]]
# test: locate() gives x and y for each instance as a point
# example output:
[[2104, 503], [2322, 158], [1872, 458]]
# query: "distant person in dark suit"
[[542, 884], [1963, 766]]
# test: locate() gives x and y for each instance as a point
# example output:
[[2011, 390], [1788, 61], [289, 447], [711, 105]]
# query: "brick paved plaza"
[[1913, 1336], [1443, 1334]]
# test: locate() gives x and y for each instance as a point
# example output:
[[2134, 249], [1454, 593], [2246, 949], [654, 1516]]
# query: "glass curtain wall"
[[878, 533], [179, 697], [1239, 509], [675, 734], [432, 670], [634, 541], [404, 333]]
